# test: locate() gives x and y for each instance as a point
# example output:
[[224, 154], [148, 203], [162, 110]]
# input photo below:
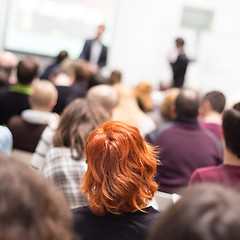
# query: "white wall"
[[3, 14], [145, 31]]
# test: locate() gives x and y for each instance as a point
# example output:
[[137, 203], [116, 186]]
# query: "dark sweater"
[[25, 135], [183, 146], [11, 104]]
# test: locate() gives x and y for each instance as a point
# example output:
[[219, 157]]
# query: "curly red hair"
[[121, 169]]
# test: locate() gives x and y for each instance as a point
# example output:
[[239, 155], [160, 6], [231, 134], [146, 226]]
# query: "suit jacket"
[[85, 54]]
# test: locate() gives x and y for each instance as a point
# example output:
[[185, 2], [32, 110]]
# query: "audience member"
[[59, 58], [236, 106], [118, 183], [143, 92], [206, 211], [101, 99], [115, 77], [128, 111], [30, 208], [83, 74], [27, 128], [6, 141], [227, 173], [211, 108], [8, 63], [183, 144], [168, 105], [67, 89], [15, 99], [65, 164]]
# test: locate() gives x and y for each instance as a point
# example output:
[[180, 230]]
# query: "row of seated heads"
[[27, 70]]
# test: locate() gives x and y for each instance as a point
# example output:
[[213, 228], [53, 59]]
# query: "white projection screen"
[[45, 27]]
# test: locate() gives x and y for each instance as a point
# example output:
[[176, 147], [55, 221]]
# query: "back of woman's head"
[[205, 212], [121, 168], [76, 123], [30, 208], [168, 103], [143, 92]]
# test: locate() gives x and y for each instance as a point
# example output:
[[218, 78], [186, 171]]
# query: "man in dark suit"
[[179, 65], [94, 51]]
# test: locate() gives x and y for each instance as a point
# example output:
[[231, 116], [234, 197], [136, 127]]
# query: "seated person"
[[128, 110], [101, 99], [67, 89], [119, 183], [211, 110], [8, 63], [205, 211], [183, 145], [227, 173], [58, 60], [143, 92], [65, 164], [30, 207], [27, 128], [14, 100]]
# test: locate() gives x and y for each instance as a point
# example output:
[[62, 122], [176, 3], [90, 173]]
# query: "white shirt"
[[96, 50]]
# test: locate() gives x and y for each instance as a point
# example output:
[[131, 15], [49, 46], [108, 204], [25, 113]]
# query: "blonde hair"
[[168, 102], [143, 93], [127, 109], [44, 93]]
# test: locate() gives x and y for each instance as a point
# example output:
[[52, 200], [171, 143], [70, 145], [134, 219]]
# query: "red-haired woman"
[[118, 184]]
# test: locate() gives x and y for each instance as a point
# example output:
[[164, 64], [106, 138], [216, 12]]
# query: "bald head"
[[102, 100], [8, 59], [187, 103], [104, 95]]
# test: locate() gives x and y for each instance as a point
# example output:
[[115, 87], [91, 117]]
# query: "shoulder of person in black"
[[135, 225]]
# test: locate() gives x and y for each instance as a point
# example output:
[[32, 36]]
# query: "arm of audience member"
[[195, 178], [45, 143]]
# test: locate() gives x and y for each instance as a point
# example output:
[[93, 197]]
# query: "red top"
[[225, 174]]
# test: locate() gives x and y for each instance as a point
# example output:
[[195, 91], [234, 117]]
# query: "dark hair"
[[236, 106], [27, 70], [179, 41], [30, 207], [206, 211], [61, 56], [76, 123], [231, 130], [187, 103], [83, 70], [217, 100], [115, 77]]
